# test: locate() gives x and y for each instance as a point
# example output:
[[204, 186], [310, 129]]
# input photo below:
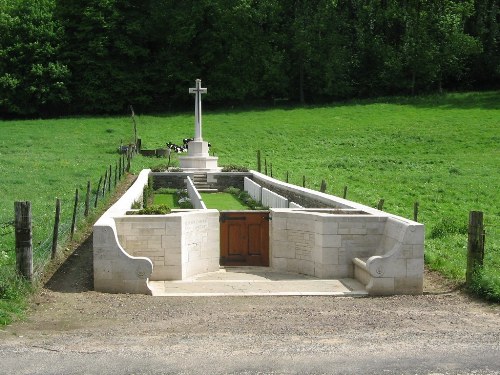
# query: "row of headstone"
[[272, 200], [253, 189], [267, 197]]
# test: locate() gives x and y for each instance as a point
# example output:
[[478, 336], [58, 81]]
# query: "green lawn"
[[441, 151], [166, 199], [222, 201]]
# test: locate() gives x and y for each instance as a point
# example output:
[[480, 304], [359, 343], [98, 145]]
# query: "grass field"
[[442, 151]]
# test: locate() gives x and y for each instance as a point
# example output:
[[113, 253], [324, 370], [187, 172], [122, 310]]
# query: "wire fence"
[[77, 214]]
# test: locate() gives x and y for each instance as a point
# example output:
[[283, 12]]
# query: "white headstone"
[[198, 90]]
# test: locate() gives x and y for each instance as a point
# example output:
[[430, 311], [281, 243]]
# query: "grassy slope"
[[440, 151]]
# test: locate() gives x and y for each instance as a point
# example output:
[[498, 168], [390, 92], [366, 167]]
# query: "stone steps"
[[201, 184]]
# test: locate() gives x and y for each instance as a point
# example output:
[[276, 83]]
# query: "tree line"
[[98, 56]]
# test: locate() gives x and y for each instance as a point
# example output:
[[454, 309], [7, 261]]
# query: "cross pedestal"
[[198, 157]]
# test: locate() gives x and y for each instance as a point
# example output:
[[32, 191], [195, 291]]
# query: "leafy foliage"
[[32, 78], [153, 209], [234, 168], [98, 56]]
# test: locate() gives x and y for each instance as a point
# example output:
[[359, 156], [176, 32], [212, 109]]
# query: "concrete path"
[[257, 281]]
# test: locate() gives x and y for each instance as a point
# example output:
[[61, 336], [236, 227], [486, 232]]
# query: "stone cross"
[[198, 90]]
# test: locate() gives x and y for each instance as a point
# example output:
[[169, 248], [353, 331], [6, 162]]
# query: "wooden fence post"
[[97, 192], [116, 175], [87, 200], [475, 245], [345, 192], [109, 180], [135, 124], [323, 186], [259, 164], [271, 169], [380, 205], [73, 221], [303, 181], [265, 166], [120, 168], [287, 177], [57, 219], [24, 243], [104, 183], [415, 211]]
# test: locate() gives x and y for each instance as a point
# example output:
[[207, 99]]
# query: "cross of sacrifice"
[[198, 90]]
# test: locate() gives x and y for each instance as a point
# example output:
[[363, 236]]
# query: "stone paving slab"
[[257, 281]]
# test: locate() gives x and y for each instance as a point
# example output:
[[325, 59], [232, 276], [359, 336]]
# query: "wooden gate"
[[244, 238]]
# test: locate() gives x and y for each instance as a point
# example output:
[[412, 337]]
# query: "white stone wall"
[[194, 196], [116, 271], [180, 244], [273, 200], [398, 266], [253, 189], [321, 244], [200, 242], [294, 205]]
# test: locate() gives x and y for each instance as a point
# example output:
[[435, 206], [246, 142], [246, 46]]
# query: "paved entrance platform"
[[257, 281]]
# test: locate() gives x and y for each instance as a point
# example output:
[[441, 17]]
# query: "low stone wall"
[[180, 245], [302, 196], [384, 252], [322, 244], [171, 180], [129, 250], [224, 180], [116, 271], [397, 266], [216, 180]]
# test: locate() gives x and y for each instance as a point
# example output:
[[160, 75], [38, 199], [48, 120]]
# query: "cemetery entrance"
[[244, 238]]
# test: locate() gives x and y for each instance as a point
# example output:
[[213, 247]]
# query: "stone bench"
[[397, 264]]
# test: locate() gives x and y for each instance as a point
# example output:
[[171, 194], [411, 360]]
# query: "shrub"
[[185, 204], [234, 168], [159, 168], [232, 190], [154, 209], [165, 191]]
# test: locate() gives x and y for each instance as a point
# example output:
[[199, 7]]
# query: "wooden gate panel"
[[244, 238]]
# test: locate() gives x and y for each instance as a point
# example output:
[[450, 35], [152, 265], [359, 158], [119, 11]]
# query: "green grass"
[[439, 150], [166, 199], [222, 201]]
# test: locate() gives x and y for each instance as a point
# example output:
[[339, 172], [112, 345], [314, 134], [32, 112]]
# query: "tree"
[[484, 24], [32, 78], [106, 49]]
